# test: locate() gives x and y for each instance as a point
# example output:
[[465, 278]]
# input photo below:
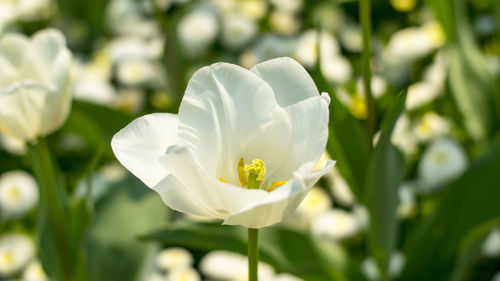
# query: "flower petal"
[[281, 202], [290, 81], [140, 144], [228, 113], [13, 47], [217, 198], [309, 120]]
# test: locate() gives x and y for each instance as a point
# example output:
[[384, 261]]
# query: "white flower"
[[16, 250], [421, 93], [222, 265], [336, 68], [129, 100], [407, 202], [442, 161], [238, 30], [35, 88], [340, 189], [197, 30], [25, 10], [230, 117], [306, 51], [335, 224], [491, 246], [402, 137], [18, 193], [34, 272], [135, 72], [350, 37], [284, 22], [315, 203], [269, 46], [378, 85], [183, 274], [172, 258], [370, 269], [431, 125], [13, 145], [403, 5], [292, 6]]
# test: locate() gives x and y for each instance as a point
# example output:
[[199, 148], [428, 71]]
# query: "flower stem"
[[51, 225], [365, 18], [253, 254]]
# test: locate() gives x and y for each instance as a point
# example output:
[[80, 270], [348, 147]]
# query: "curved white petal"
[[140, 144], [281, 202], [218, 199], [290, 81], [20, 107], [227, 113], [13, 47], [309, 120]]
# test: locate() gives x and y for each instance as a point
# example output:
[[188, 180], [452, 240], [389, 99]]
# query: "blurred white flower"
[[316, 202], [237, 30], [307, 48], [18, 194], [291, 6], [227, 266], [362, 216], [413, 43], [34, 272], [340, 189], [127, 17], [199, 161], [25, 10], [172, 258], [421, 93], [442, 161], [378, 85], [431, 126], [183, 274], [491, 246], [407, 202], [370, 269], [403, 137], [155, 276], [336, 224], [16, 250], [256, 9], [129, 100], [403, 5], [268, 46], [13, 145], [131, 47], [35, 86], [197, 30], [286, 277], [284, 22], [350, 37], [336, 68], [136, 72]]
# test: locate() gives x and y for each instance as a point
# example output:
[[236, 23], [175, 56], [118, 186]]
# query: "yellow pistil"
[[222, 180], [242, 175], [257, 167], [276, 184]]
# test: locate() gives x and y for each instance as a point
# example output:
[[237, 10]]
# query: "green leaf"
[[385, 176], [285, 250], [469, 202], [112, 247]]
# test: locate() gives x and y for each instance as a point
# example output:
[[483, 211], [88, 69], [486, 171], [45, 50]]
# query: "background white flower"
[[16, 250], [35, 88], [18, 194]]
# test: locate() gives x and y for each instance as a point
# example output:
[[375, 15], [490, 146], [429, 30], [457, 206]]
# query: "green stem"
[[253, 254], [51, 224], [365, 18], [253, 238]]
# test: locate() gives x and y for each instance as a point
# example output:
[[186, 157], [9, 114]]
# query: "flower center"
[[251, 176]]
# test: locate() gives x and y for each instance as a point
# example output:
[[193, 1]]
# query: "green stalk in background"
[[51, 226], [365, 18]]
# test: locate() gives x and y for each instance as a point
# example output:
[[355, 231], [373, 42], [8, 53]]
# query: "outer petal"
[[20, 110], [290, 81], [281, 202], [200, 190], [140, 144], [309, 120], [227, 113], [13, 47]]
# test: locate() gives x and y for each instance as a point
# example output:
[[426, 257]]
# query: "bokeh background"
[[424, 205]]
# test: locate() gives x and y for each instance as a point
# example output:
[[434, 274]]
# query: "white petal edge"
[[281, 202], [140, 144], [290, 82]]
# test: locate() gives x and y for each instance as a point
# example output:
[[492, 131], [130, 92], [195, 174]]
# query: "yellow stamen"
[[257, 167], [276, 184], [242, 175], [222, 180]]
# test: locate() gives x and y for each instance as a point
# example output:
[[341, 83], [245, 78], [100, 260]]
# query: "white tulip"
[[34, 272], [172, 258], [197, 30], [336, 224], [35, 88], [271, 116], [238, 30], [442, 161], [316, 202], [491, 246], [16, 250], [183, 274], [370, 269], [18, 194]]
